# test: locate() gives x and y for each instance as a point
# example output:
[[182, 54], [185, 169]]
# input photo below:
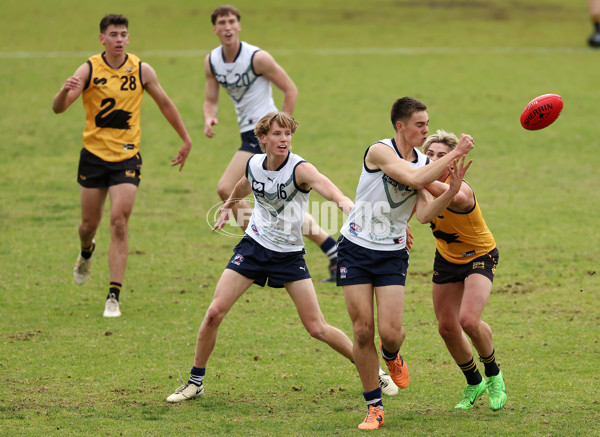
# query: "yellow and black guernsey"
[[112, 98], [461, 237]]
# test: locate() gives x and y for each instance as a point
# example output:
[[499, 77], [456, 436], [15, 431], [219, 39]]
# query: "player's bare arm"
[[264, 64], [307, 176], [427, 208], [382, 157], [240, 191], [71, 89], [170, 112], [211, 100]]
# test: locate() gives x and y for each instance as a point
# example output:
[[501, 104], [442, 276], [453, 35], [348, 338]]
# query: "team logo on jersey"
[[237, 259], [116, 119], [354, 228], [258, 188]]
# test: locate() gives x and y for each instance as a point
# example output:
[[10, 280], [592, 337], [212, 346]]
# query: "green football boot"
[[497, 391], [470, 394]]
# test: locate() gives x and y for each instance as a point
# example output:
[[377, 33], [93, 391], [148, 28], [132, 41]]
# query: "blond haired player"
[[465, 263]]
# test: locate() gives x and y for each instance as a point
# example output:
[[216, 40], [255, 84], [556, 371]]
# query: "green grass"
[[64, 370]]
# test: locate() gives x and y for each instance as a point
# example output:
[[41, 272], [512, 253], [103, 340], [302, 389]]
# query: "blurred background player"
[[465, 263], [372, 252], [594, 7], [246, 73], [112, 85]]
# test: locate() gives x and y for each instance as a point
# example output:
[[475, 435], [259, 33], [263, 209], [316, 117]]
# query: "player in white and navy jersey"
[[271, 251], [372, 251], [246, 73]]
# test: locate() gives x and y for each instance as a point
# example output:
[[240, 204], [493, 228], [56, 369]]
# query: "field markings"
[[326, 52]]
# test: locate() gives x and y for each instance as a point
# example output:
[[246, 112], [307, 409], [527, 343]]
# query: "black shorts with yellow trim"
[[94, 172], [445, 272]]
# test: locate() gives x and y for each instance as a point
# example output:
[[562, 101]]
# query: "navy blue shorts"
[[445, 272], [250, 142], [254, 261], [94, 172], [359, 265]]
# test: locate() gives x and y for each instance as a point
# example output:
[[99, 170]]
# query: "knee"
[[214, 315], [363, 335], [88, 227], [317, 331], [449, 331], [118, 225], [469, 324]]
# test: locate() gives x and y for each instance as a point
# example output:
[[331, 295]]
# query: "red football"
[[541, 111]]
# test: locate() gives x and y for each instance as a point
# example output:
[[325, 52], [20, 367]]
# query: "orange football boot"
[[374, 418], [398, 371]]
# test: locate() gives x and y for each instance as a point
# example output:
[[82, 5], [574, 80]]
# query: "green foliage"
[[64, 370]]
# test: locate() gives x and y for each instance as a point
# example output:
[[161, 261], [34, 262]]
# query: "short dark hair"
[[404, 108], [224, 10], [115, 20]]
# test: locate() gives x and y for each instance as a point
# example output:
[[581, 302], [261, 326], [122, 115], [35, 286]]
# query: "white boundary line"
[[327, 52]]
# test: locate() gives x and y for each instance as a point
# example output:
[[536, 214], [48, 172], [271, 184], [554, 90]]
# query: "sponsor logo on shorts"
[[343, 272], [354, 228], [130, 173], [82, 177], [238, 259], [478, 265]]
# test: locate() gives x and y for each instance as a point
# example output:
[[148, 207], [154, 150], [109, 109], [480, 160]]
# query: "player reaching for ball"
[[372, 253], [465, 263], [271, 251], [112, 85]]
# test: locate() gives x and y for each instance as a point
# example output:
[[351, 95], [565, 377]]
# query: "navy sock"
[[388, 356], [373, 397], [329, 248], [196, 376]]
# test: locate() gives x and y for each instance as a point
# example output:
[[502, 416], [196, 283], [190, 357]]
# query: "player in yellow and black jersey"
[[463, 272], [112, 85]]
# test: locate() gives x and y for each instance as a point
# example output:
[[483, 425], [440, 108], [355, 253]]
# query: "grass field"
[[65, 370]]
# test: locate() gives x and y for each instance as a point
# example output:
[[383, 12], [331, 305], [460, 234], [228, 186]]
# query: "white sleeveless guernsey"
[[278, 214], [251, 94], [382, 207]]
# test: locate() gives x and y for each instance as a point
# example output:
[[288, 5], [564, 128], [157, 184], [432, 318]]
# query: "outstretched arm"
[[169, 110], [240, 191], [427, 208], [307, 176], [382, 157]]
